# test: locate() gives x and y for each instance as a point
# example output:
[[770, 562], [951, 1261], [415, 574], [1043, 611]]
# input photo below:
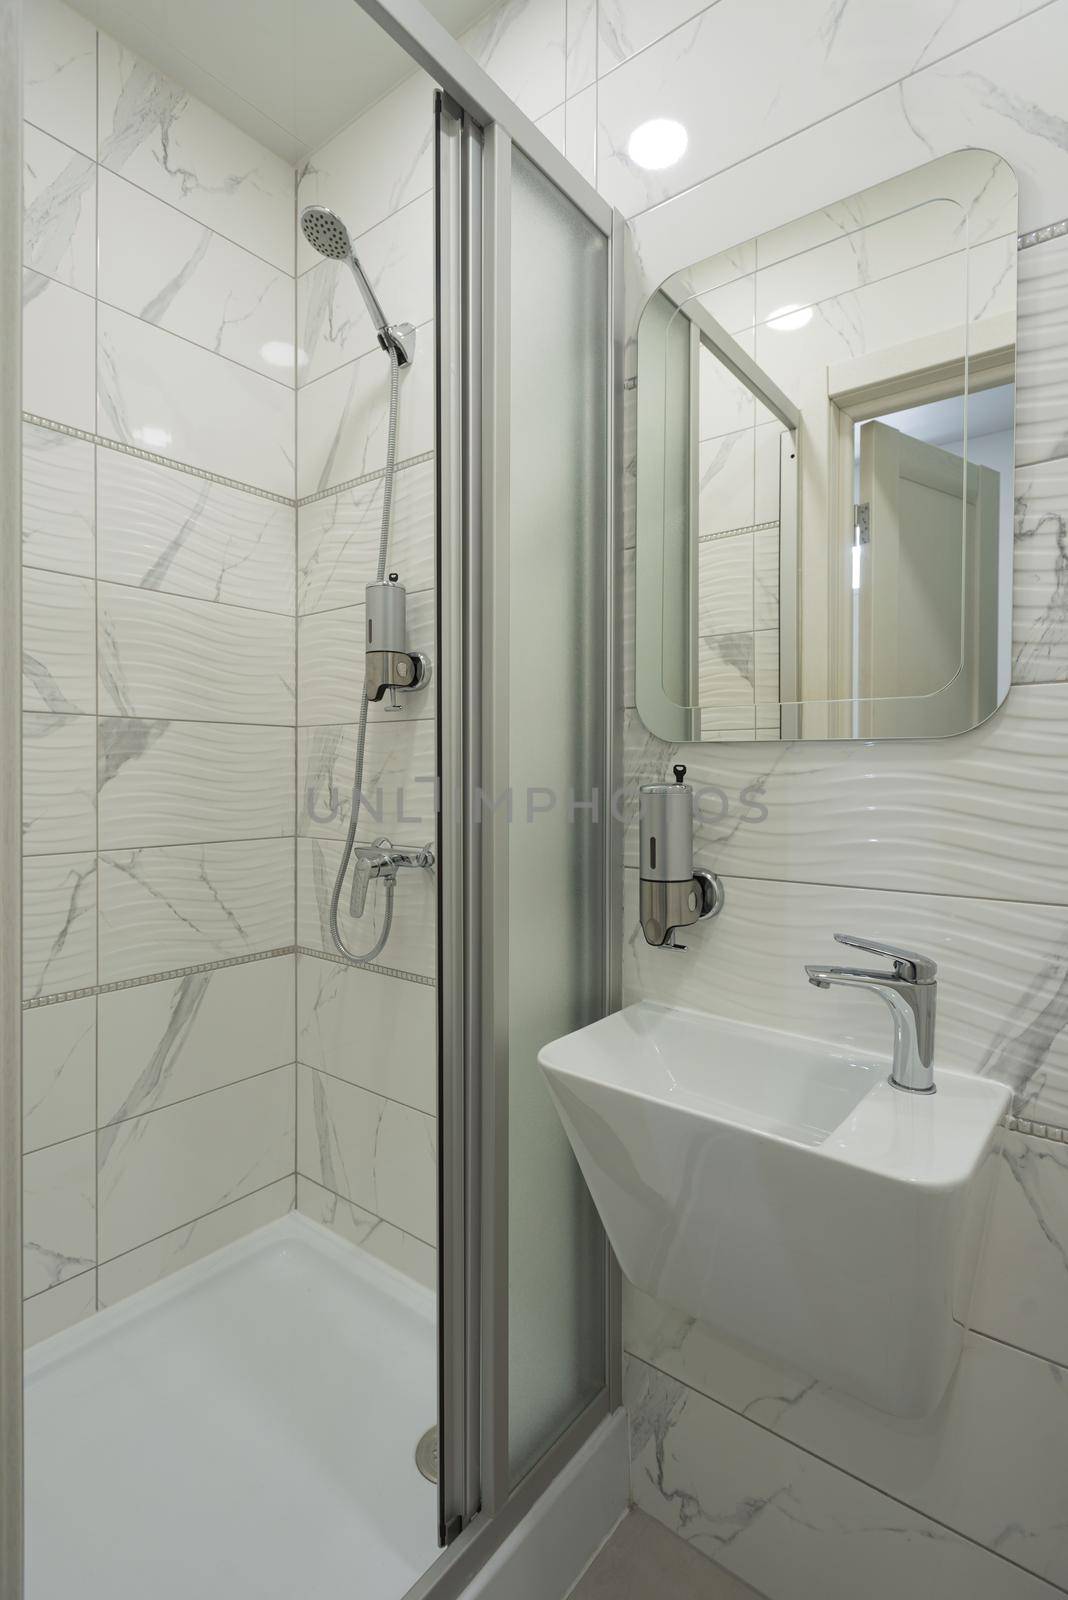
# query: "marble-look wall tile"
[[1042, 373], [161, 1171], [58, 643], [165, 1042], [58, 1072], [58, 783], [380, 1239], [554, 126], [332, 664], [181, 905], [58, 514], [624, 27], [782, 1520], [59, 1221], [364, 1027], [376, 165], [399, 781], [739, 86], [581, 45], [412, 939], [59, 73], [580, 133], [165, 530], [149, 1263], [344, 417], [59, 197], [162, 266], [58, 352], [55, 1309], [1040, 574], [338, 539], [521, 44], [1022, 1292], [156, 134], [58, 924], [165, 656], [333, 324], [164, 394], [1003, 975], [979, 814], [163, 782], [372, 1151]]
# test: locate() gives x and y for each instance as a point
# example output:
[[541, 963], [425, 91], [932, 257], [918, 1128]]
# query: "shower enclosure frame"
[[479, 1506]]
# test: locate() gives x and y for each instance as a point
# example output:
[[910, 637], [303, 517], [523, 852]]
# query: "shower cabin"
[[315, 550]]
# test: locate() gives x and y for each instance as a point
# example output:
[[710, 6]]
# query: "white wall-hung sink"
[[781, 1190]]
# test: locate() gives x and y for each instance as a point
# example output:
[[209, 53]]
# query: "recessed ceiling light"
[[277, 353], [658, 144], [152, 438], [787, 318]]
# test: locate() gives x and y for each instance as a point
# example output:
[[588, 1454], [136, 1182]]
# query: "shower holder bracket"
[[395, 669], [399, 336]]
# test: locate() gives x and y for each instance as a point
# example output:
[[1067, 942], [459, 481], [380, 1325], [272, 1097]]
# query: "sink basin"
[[781, 1190]]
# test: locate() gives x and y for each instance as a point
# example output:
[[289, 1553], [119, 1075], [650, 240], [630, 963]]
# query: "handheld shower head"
[[325, 232]]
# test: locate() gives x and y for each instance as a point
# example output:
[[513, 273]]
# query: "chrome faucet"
[[911, 991]]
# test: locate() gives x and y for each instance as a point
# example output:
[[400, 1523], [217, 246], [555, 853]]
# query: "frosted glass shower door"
[[555, 851]]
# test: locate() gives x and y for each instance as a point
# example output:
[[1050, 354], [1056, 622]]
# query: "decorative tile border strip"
[[157, 460], [368, 477], [154, 977], [733, 533], [366, 966], [1037, 1130], [1052, 230]]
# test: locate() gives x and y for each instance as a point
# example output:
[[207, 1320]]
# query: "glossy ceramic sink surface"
[[781, 1190]]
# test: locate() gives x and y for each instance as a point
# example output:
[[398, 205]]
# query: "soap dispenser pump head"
[[680, 773]]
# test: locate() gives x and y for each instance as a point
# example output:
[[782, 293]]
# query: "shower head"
[[325, 232]]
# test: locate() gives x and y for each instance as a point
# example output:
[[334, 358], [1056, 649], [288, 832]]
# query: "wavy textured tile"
[[343, 419], [161, 393], [368, 1232], [58, 352], [339, 536], [149, 1263], [982, 814], [784, 1521], [332, 664], [162, 656], [58, 923], [182, 905], [59, 198], [394, 1022], [163, 1170], [58, 1072], [184, 782], [57, 643], [399, 781], [160, 137], [58, 514], [59, 1224], [166, 531], [398, 256], [1042, 372], [412, 942], [1003, 975], [372, 1151], [164, 267], [58, 783], [164, 1042], [59, 73], [1040, 574]]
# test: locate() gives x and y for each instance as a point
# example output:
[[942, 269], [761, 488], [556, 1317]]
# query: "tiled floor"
[[643, 1561]]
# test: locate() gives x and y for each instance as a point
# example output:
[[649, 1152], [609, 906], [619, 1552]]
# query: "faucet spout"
[[911, 999]]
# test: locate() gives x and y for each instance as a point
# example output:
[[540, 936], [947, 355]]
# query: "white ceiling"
[[289, 72]]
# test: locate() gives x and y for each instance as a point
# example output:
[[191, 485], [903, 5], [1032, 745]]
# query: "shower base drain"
[[426, 1454]]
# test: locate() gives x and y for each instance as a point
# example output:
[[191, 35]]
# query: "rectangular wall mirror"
[[825, 455]]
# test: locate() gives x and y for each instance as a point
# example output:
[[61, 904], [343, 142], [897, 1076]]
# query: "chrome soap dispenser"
[[389, 663], [673, 893]]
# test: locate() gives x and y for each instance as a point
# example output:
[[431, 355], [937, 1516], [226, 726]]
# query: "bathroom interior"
[[534, 829]]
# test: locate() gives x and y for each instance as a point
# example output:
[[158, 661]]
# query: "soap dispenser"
[[673, 893]]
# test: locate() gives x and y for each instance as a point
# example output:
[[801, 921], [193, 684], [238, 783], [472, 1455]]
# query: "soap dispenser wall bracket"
[[673, 894]]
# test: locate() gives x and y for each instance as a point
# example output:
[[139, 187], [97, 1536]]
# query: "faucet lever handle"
[[908, 965]]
